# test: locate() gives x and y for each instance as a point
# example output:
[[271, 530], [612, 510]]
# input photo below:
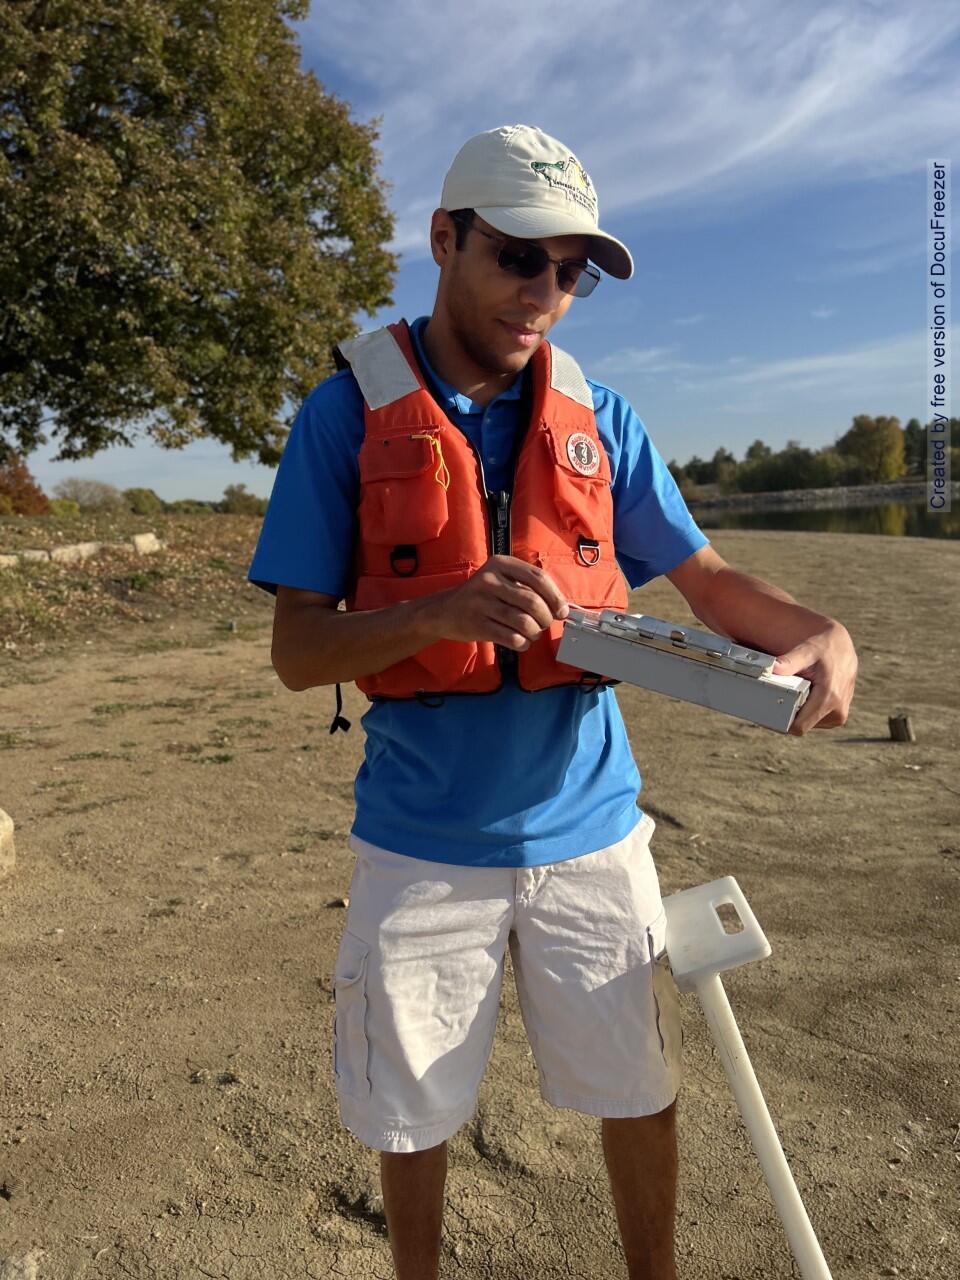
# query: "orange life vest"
[[427, 523]]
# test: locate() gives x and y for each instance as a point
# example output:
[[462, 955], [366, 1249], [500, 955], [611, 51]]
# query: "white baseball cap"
[[527, 184]]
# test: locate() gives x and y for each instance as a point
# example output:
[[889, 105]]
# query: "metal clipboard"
[[683, 662]]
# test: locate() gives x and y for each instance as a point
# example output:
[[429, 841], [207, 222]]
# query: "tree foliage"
[[19, 493], [188, 223], [90, 495], [236, 501], [143, 502], [877, 445]]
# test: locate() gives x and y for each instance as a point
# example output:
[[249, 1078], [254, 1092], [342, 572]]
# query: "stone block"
[[74, 552], [146, 543], [9, 562], [69, 554], [8, 857], [34, 555]]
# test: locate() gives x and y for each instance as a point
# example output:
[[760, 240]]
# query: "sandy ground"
[[169, 934]]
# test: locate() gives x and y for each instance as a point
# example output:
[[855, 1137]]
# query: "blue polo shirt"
[[508, 779]]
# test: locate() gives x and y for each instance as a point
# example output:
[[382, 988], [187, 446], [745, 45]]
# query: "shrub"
[[143, 502], [24, 496], [237, 502], [90, 495], [64, 507], [190, 507]]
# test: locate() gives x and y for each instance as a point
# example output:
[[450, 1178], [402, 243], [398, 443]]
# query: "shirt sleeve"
[[653, 531], [309, 531]]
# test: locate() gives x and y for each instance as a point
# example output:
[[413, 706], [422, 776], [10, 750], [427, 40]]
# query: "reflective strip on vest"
[[379, 367], [567, 377]]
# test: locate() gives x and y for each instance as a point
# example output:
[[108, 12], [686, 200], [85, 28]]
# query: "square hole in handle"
[[729, 916]]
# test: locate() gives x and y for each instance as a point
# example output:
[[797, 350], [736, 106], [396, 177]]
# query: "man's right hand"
[[507, 601]]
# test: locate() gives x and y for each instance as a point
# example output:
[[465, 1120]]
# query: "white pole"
[[756, 1117]]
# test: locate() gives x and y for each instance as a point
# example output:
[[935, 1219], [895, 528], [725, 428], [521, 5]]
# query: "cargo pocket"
[[666, 998], [350, 1048], [437, 666], [403, 488]]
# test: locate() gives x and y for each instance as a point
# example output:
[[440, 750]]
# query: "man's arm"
[[507, 602], [756, 613]]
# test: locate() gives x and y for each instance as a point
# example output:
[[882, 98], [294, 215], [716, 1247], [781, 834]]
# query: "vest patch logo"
[[583, 454]]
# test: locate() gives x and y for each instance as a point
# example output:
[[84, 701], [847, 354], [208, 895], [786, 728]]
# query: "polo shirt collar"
[[450, 397]]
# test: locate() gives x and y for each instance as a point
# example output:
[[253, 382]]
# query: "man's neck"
[[448, 359]]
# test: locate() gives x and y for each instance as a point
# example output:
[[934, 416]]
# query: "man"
[[497, 801]]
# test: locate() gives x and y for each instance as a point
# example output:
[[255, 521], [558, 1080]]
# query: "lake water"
[[896, 519]]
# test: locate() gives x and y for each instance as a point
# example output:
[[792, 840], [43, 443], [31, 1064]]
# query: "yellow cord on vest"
[[442, 475]]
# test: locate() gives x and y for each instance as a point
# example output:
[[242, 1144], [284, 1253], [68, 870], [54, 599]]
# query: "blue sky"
[[765, 164]]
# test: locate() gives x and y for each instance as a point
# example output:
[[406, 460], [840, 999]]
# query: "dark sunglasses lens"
[[530, 261], [527, 261], [569, 277]]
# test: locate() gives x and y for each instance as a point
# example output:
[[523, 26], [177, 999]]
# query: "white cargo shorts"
[[418, 976]]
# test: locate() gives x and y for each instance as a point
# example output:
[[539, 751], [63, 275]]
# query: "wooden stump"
[[901, 730]]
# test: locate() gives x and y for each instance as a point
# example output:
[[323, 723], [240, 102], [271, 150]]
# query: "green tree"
[[237, 502], [877, 445], [794, 467], [191, 507], [914, 446], [188, 223], [699, 471], [757, 451], [143, 502]]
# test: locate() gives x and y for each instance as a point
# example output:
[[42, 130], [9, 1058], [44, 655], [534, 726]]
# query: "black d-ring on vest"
[[404, 552], [589, 545]]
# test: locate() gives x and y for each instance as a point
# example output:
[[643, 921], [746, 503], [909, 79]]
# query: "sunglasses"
[[521, 258]]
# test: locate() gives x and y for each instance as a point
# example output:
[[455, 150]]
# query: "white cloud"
[[823, 313], [690, 319], [883, 376], [638, 360], [733, 100]]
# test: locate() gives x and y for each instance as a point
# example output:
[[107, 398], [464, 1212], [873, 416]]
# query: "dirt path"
[[168, 940]]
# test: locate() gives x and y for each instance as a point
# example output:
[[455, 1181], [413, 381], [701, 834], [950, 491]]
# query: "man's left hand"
[[829, 661]]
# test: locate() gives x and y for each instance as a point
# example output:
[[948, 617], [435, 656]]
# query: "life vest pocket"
[[581, 479], [403, 488], [599, 587], [437, 667]]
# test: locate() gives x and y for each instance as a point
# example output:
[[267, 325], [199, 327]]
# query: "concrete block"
[[8, 856], [146, 543], [74, 552], [69, 554]]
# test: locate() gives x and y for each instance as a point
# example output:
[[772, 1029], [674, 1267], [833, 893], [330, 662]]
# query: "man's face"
[[498, 319]]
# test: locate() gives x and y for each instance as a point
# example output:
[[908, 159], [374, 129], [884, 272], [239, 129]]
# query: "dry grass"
[[199, 576]]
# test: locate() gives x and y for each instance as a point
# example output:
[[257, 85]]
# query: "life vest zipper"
[[498, 518], [500, 524]]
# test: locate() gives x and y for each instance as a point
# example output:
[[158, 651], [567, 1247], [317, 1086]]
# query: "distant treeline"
[[21, 495], [874, 450]]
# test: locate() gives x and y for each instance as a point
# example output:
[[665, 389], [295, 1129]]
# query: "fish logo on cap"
[[570, 177]]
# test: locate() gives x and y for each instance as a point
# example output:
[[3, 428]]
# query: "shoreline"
[[861, 495]]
